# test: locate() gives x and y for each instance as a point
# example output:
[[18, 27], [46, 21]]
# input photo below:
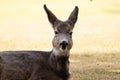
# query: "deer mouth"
[[64, 45]]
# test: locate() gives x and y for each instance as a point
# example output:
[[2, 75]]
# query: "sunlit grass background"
[[96, 51]]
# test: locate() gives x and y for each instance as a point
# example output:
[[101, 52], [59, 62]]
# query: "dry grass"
[[96, 51], [95, 66]]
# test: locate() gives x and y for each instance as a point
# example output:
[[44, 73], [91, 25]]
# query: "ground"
[[95, 67], [96, 51]]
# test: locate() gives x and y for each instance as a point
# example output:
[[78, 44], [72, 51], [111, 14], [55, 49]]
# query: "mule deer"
[[40, 65]]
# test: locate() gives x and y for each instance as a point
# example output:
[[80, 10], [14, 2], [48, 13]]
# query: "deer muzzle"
[[64, 45]]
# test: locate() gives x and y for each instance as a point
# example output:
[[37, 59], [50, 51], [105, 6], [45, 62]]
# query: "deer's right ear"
[[51, 17]]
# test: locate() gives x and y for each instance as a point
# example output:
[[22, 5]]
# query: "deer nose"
[[63, 44]]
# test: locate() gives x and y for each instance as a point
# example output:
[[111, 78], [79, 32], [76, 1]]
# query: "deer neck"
[[58, 52], [59, 62]]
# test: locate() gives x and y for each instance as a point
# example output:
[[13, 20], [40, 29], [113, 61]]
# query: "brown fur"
[[40, 65]]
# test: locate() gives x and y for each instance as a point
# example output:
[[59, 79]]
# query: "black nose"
[[63, 44]]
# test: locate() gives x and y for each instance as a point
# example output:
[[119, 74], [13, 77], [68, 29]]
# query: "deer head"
[[62, 41]]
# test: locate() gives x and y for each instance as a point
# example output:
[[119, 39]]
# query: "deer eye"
[[70, 33], [56, 32]]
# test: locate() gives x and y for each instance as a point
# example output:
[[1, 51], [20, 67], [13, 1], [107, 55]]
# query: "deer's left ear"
[[73, 16]]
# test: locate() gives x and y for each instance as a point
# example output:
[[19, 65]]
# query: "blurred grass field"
[[96, 51]]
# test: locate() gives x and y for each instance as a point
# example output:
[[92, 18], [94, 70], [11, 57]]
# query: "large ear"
[[73, 16], [51, 17]]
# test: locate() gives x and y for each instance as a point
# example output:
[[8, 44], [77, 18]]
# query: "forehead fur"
[[63, 27]]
